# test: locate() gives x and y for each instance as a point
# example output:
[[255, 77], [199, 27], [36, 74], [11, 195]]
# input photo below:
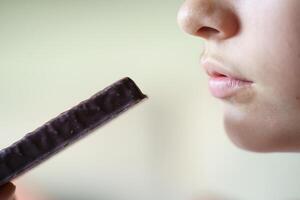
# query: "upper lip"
[[215, 69]]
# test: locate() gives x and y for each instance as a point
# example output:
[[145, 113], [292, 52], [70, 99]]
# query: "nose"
[[209, 19]]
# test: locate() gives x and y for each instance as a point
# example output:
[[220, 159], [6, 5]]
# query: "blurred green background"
[[54, 54]]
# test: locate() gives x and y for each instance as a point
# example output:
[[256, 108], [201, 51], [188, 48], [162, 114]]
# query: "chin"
[[257, 129], [263, 139], [246, 143], [260, 137]]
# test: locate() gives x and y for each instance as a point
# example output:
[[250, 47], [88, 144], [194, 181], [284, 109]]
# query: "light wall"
[[53, 54]]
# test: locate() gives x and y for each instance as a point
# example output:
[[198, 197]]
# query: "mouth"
[[222, 82]]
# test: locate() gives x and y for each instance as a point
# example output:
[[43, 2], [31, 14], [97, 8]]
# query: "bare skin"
[[7, 191], [10, 192], [257, 40]]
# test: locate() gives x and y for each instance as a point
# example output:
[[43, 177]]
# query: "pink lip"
[[224, 87], [222, 82]]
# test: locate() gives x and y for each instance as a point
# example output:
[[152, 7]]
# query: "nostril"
[[206, 31]]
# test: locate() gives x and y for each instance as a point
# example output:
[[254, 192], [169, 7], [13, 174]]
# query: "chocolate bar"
[[67, 128]]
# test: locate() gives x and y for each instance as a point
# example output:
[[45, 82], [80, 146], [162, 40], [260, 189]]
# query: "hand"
[[7, 191]]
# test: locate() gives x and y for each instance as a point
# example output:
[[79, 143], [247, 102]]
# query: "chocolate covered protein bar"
[[66, 128]]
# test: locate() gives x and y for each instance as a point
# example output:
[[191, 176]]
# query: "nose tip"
[[207, 19]]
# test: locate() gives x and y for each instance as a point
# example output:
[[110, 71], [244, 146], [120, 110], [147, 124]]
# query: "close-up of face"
[[211, 90], [252, 58]]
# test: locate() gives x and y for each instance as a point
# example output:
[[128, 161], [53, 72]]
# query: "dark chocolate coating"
[[69, 126]]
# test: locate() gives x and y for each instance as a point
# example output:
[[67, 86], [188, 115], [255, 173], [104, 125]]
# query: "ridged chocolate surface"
[[69, 126]]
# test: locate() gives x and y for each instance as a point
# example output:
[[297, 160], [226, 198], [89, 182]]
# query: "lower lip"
[[224, 87]]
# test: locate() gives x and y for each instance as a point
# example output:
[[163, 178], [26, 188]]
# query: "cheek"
[[270, 38], [270, 121]]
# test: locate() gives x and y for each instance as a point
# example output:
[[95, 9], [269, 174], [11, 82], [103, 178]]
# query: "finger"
[[7, 191]]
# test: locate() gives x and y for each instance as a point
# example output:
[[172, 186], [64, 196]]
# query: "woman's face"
[[257, 41]]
